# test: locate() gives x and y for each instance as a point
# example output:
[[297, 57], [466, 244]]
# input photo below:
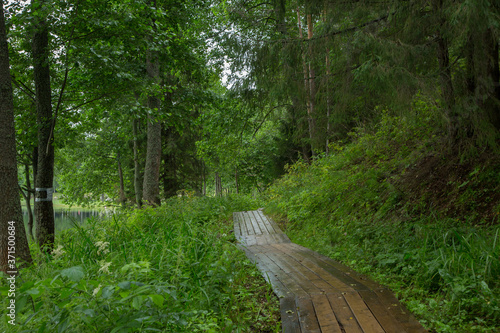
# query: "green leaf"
[[75, 273], [137, 302], [157, 299]]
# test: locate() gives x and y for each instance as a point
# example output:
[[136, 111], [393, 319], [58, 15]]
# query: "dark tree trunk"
[[122, 197], [170, 183], [487, 76], [236, 181], [218, 185], [44, 209], [28, 201], [312, 88], [470, 67], [34, 161], [11, 217], [445, 73], [137, 169], [307, 87], [153, 154]]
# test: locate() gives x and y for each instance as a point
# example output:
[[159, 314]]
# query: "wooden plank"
[[336, 285], [296, 271], [382, 312], [237, 227], [346, 319], [326, 318], [363, 315], [274, 237], [265, 221], [289, 317], [248, 223], [282, 276], [328, 265], [258, 223], [307, 316], [309, 271], [399, 311], [278, 287], [358, 281]]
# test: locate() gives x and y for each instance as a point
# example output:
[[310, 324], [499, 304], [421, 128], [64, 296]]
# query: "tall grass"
[[171, 269]]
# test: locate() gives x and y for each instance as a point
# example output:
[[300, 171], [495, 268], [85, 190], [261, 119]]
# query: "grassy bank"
[[171, 269], [396, 207]]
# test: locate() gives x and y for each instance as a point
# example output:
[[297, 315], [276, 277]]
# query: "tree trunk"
[[44, 209], [470, 67], [218, 185], [236, 181], [488, 76], [153, 154], [28, 201], [204, 177], [137, 170], [11, 216], [312, 87], [306, 87], [170, 183], [445, 73], [122, 197]]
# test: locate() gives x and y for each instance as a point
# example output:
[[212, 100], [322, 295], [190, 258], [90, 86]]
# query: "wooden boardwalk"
[[316, 293]]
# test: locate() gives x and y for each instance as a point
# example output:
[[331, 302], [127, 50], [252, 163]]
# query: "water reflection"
[[64, 218]]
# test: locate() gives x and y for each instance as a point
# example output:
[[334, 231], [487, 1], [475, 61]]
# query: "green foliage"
[[355, 206], [175, 269]]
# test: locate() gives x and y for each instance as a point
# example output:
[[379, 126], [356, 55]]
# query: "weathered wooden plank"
[[278, 287], [326, 318], [328, 264], [310, 272], [399, 311], [266, 222], [296, 272], [345, 317], [307, 316], [351, 277], [259, 223], [336, 285], [282, 276], [256, 224], [249, 224], [382, 312], [362, 313], [289, 317]]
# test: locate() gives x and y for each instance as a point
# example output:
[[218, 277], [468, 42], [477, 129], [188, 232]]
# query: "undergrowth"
[[170, 269], [357, 207]]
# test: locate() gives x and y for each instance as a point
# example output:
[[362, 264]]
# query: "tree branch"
[[24, 89]]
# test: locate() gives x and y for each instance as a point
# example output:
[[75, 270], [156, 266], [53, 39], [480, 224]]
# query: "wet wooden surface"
[[318, 294]]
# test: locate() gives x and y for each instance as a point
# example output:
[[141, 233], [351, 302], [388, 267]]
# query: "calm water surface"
[[65, 218]]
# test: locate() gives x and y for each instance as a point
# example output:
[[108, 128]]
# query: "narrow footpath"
[[318, 294]]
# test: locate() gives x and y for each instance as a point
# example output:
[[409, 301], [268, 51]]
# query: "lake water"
[[64, 218]]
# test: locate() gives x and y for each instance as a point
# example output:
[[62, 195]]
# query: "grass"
[[171, 269], [359, 207]]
